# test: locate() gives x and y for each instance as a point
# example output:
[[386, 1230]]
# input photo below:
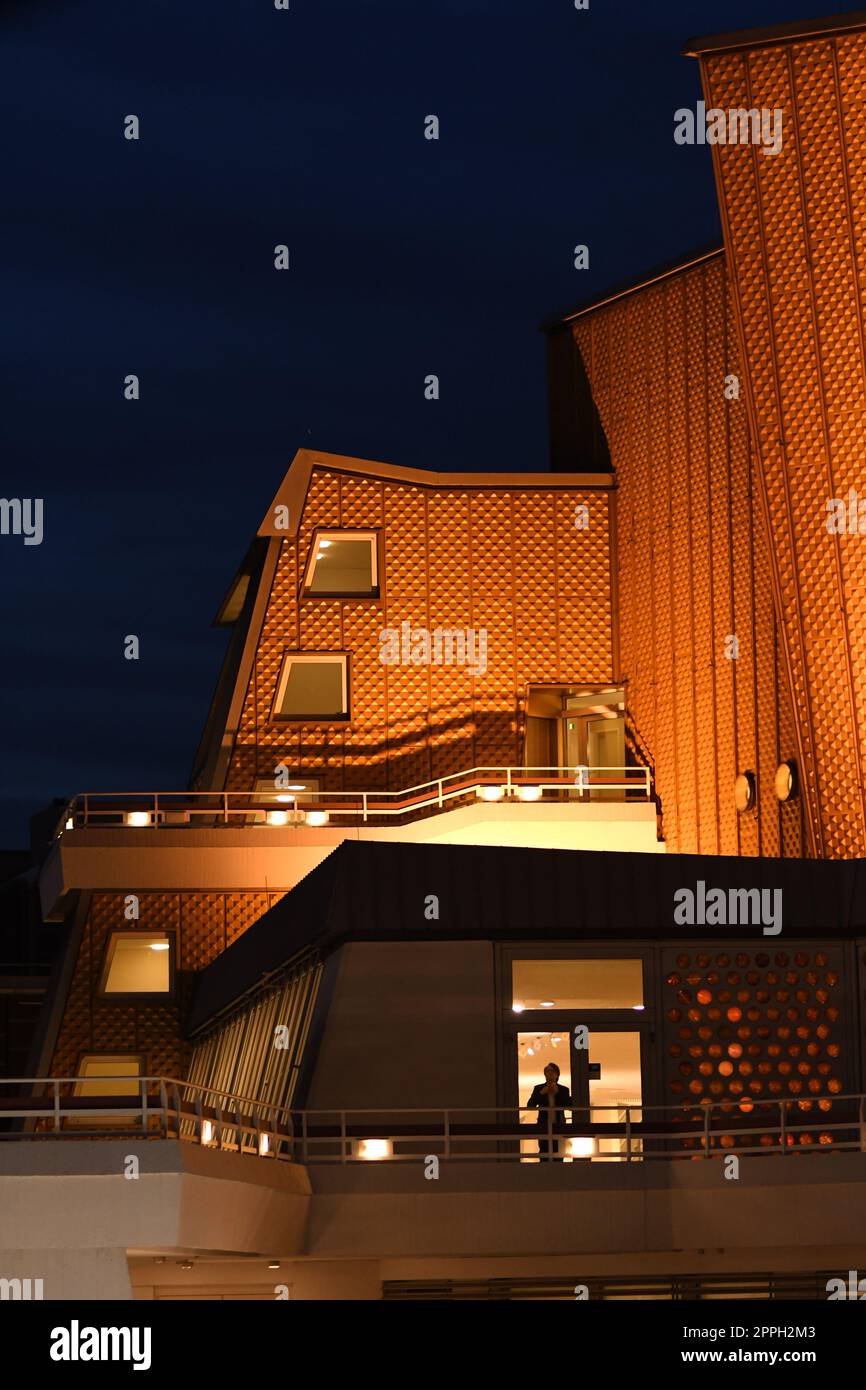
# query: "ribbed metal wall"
[[795, 232], [691, 561], [239, 1058]]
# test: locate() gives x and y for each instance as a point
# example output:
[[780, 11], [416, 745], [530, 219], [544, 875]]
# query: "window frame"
[[109, 1121], [293, 654], [643, 1021], [322, 533], [120, 996]]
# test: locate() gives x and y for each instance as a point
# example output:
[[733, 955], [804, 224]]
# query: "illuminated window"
[[100, 1074], [577, 984], [137, 963], [343, 564], [312, 687]]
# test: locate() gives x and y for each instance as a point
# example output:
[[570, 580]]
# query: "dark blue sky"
[[408, 257]]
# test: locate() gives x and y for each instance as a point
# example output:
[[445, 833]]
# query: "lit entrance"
[[550, 999], [570, 727]]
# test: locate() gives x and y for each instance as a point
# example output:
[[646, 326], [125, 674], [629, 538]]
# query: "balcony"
[[242, 840]]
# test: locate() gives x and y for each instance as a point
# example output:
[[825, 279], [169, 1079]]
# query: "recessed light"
[[547, 1003], [785, 781], [159, 945], [744, 791], [274, 1264]]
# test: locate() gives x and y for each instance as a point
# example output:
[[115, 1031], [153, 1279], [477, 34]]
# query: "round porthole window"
[[786, 781], [744, 791]]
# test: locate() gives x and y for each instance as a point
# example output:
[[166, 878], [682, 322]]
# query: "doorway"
[[569, 728]]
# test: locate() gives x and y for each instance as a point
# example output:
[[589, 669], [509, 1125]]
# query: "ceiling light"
[[638, 1008], [159, 945], [317, 818], [296, 787], [325, 545], [138, 818], [581, 1148], [207, 1132], [530, 1051], [278, 817], [264, 1144], [185, 1264], [546, 1003], [274, 1264], [517, 1008]]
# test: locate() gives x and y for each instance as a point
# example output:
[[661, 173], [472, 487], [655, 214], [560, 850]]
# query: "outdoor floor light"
[[374, 1148], [489, 793]]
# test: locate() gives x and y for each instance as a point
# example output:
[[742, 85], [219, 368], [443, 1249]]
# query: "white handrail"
[[157, 808]]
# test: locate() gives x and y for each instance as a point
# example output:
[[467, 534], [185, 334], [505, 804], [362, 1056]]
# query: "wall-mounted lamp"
[[375, 1149]]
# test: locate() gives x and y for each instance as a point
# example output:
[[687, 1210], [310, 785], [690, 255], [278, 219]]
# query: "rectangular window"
[[137, 963], [312, 687], [99, 1074], [576, 984], [343, 564]]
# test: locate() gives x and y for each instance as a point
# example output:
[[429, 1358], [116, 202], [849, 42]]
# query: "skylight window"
[[137, 963], [343, 564], [312, 687]]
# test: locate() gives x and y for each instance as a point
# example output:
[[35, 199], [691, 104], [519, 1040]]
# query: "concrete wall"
[[410, 1024]]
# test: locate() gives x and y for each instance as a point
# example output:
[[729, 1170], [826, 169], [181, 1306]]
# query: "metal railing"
[[299, 807], [165, 1107]]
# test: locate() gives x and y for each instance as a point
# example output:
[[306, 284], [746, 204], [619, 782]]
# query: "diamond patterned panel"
[[205, 924], [509, 561]]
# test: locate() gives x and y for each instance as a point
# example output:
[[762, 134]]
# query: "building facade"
[[507, 770]]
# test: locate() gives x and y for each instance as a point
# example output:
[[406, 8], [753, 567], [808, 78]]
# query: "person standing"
[[550, 1100]]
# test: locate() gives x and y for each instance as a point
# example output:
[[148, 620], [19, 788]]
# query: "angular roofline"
[[632, 285], [292, 491], [777, 33]]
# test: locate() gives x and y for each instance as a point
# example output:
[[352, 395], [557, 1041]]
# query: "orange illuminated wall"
[[691, 561], [203, 926], [795, 236], [499, 553]]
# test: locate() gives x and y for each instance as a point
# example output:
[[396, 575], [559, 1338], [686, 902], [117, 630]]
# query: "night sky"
[[408, 257]]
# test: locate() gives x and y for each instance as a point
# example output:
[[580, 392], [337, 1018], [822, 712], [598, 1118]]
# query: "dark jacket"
[[539, 1102]]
